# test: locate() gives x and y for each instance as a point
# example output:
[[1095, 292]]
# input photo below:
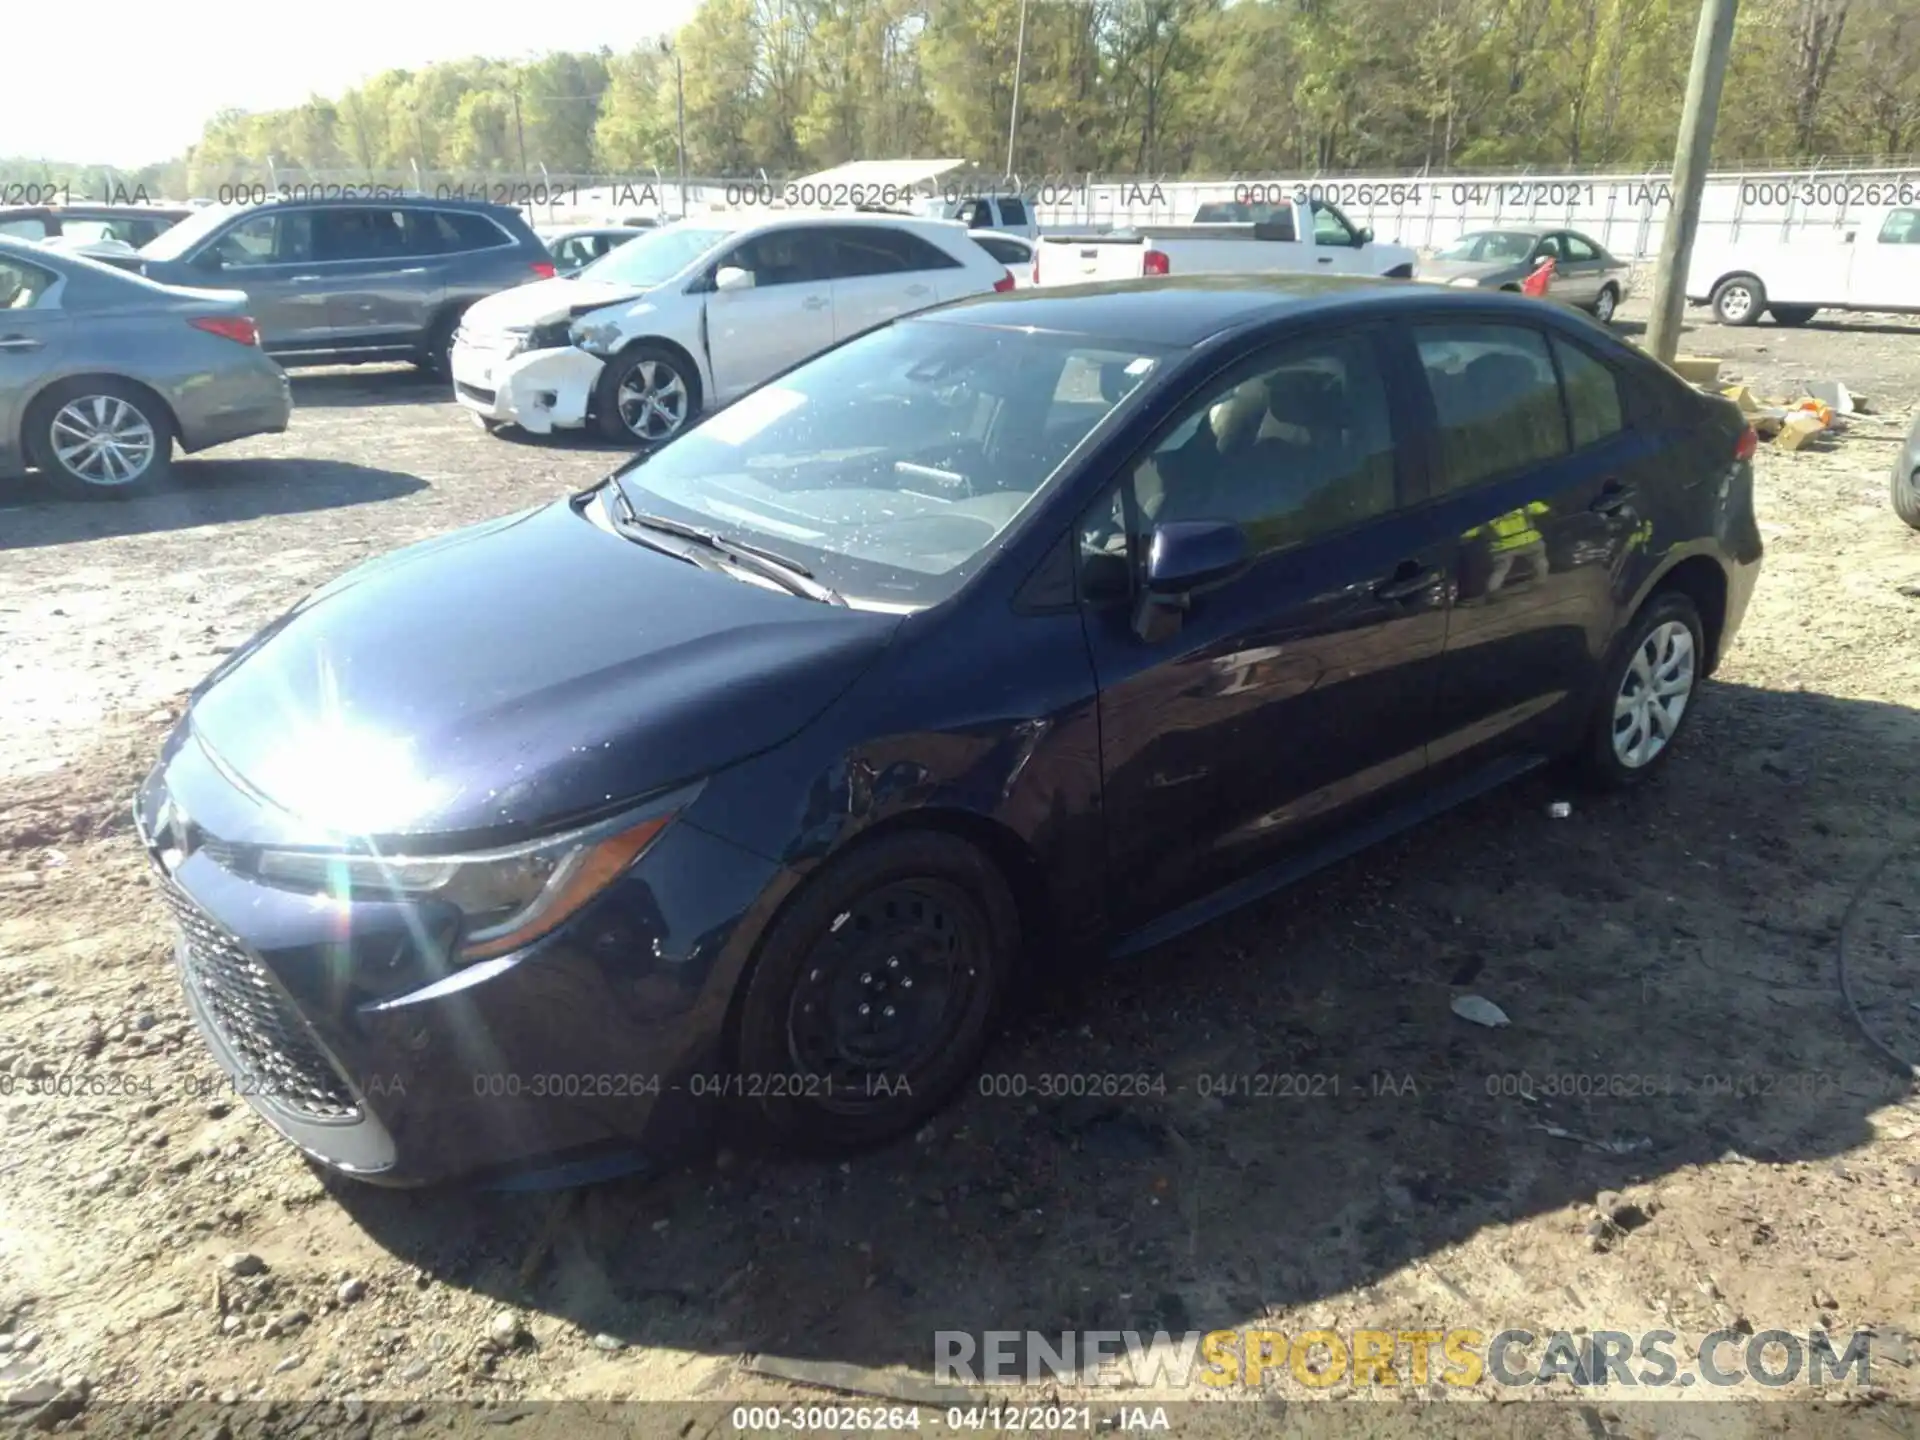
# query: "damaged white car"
[[689, 317]]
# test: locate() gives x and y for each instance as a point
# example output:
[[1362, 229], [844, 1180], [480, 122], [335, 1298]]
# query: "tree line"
[[1113, 87]]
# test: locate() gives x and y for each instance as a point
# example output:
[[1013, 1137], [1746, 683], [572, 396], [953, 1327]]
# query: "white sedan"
[[692, 315]]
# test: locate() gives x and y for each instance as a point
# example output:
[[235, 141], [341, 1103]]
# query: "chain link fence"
[[1625, 211]]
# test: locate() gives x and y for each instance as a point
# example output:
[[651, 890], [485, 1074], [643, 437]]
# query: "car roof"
[[1180, 313], [752, 219]]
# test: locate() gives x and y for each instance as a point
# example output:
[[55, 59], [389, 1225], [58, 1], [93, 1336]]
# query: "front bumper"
[[539, 390], [346, 1027]]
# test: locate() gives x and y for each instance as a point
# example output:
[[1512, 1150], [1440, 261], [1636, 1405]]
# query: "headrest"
[[1236, 419]]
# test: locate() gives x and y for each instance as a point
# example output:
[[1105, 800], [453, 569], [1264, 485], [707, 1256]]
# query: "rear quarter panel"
[[202, 378]]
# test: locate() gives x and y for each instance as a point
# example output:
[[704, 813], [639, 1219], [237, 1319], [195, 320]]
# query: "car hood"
[[513, 676], [545, 301]]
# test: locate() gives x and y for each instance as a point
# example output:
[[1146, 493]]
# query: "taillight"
[[229, 327], [544, 269], [1745, 447], [1155, 263], [1005, 282], [1036, 267]]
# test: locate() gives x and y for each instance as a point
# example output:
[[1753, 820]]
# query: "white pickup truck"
[[1873, 263], [1309, 236]]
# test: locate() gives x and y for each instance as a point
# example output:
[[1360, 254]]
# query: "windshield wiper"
[[787, 573]]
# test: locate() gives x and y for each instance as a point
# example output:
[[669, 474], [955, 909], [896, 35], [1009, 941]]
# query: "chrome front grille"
[[278, 1057]]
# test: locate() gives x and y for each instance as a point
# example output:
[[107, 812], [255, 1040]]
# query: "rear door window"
[[356, 233], [1496, 397], [1013, 212], [1593, 395], [21, 284]]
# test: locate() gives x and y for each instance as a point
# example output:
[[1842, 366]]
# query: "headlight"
[[1465, 280], [518, 338], [510, 897], [599, 339]]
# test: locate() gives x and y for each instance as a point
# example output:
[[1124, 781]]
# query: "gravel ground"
[[1710, 1141]]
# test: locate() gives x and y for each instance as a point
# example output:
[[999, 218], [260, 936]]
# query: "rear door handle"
[[1326, 259], [1409, 582], [19, 342], [917, 289], [1614, 498], [814, 302], [302, 279]]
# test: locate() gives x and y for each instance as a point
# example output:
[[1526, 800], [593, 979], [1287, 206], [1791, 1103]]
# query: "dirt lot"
[[1668, 961]]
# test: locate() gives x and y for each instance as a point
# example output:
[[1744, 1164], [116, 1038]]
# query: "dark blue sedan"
[[746, 784]]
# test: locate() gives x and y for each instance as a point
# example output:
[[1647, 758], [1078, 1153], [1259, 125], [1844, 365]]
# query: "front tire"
[[101, 439], [1649, 691], [1606, 304], [646, 393], [1906, 498], [875, 994], [1739, 300]]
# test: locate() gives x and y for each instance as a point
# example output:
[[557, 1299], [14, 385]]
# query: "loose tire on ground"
[[1792, 314], [1906, 498]]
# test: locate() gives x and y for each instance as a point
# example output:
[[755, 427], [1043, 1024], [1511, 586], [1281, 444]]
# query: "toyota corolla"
[[755, 776]]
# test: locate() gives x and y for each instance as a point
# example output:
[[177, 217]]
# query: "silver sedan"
[[1584, 274], [102, 372]]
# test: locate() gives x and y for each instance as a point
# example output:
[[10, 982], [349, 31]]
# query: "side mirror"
[[1185, 557], [732, 277], [209, 260], [1365, 236]]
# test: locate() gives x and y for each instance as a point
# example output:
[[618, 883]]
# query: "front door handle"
[[1409, 582], [1326, 259], [302, 279], [814, 302], [1614, 498], [19, 342], [917, 289]]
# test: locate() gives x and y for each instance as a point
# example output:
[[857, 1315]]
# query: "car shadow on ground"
[[586, 440], [349, 385], [211, 491], [1327, 1123]]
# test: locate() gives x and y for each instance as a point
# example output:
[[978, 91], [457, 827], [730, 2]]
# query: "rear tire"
[[1792, 314], [1906, 498], [100, 439], [436, 359], [646, 394], [1607, 302], [1739, 300], [1651, 686], [891, 963]]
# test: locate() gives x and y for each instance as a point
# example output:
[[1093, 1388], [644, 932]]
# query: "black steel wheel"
[[875, 994]]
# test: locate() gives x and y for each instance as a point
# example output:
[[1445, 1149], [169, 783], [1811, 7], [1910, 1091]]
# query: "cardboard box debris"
[[1743, 397], [1837, 397], [1800, 427], [1698, 369]]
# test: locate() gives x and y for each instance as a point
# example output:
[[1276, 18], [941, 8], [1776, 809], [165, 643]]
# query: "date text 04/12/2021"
[[993, 1419]]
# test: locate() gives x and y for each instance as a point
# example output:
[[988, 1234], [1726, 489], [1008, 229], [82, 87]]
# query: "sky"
[[143, 96]]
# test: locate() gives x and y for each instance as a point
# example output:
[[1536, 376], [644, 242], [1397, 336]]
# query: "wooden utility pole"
[[1691, 158]]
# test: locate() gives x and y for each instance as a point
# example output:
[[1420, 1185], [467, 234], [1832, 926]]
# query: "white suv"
[[691, 316]]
